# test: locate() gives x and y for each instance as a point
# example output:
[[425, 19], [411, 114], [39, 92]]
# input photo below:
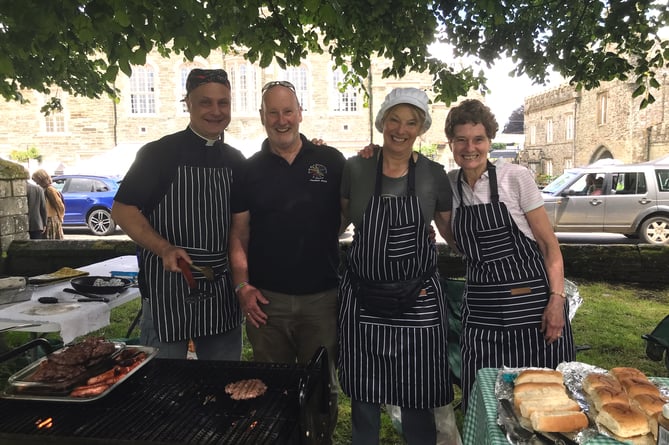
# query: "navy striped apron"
[[194, 214], [505, 294], [403, 360]]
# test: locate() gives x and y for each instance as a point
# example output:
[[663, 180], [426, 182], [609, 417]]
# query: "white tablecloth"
[[69, 317]]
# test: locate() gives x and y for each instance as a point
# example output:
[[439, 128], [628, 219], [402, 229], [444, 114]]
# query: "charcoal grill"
[[184, 402]]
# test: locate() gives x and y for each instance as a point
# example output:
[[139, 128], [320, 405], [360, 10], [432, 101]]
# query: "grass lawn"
[[610, 321]]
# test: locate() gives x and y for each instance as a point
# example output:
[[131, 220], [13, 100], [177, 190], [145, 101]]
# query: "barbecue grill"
[[184, 402]]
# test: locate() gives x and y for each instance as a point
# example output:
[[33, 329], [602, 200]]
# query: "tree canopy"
[[515, 124], [81, 46]]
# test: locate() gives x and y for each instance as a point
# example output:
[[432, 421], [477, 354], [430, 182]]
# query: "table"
[[80, 318], [480, 423]]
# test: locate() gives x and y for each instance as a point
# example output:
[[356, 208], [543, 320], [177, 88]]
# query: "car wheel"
[[655, 230], [100, 222]]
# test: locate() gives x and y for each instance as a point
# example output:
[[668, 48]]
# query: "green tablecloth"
[[480, 423]]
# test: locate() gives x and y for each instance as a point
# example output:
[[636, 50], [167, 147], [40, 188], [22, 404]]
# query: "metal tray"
[[19, 388]]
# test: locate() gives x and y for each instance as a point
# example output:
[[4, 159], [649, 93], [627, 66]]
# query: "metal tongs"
[[195, 293], [207, 271]]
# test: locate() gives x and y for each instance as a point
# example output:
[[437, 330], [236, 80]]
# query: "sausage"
[[124, 367], [104, 376], [89, 390]]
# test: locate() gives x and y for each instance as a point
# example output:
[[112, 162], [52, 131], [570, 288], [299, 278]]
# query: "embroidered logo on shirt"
[[318, 173]]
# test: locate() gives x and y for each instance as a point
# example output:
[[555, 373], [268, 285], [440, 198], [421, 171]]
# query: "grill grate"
[[175, 401]]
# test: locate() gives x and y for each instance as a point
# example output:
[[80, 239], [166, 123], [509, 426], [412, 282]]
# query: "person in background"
[[285, 248], [55, 207], [395, 357], [514, 307], [177, 202], [37, 217]]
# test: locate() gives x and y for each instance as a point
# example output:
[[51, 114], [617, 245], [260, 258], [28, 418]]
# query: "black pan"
[[88, 284]]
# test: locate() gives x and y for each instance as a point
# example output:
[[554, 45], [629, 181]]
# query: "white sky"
[[506, 92]]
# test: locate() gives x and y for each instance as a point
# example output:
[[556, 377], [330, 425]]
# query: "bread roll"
[[604, 395], [635, 386], [528, 407], [558, 421], [597, 380], [533, 391], [622, 373], [654, 426], [649, 404], [622, 420], [645, 439], [539, 376]]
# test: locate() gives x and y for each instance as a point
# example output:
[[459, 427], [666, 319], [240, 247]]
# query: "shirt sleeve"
[[238, 201], [444, 191], [346, 181], [138, 185], [529, 194]]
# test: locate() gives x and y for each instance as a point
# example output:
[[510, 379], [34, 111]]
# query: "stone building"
[[566, 128], [150, 106]]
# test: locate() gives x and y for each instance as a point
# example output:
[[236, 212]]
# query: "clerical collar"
[[210, 142]]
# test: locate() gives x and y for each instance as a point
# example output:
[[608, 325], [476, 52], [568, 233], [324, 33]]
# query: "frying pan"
[[87, 284]]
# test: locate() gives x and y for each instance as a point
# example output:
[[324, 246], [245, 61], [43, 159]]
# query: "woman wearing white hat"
[[392, 316]]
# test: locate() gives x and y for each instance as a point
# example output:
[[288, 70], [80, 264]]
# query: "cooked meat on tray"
[[72, 361]]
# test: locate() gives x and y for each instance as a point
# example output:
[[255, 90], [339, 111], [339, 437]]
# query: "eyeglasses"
[[283, 83]]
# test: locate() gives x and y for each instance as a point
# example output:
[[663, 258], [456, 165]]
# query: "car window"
[[80, 185], [59, 183], [558, 184], [662, 180], [629, 183], [99, 186]]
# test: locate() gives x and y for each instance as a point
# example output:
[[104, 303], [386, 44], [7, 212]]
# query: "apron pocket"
[[402, 242], [495, 244], [388, 298]]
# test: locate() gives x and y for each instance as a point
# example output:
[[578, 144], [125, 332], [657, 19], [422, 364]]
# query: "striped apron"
[[402, 360], [194, 214], [505, 294]]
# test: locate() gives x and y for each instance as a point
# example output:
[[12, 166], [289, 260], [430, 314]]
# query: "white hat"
[[411, 96]]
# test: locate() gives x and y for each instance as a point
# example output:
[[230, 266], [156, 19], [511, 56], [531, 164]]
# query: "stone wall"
[[612, 263], [628, 133], [13, 204]]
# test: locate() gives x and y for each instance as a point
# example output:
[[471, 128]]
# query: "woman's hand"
[[552, 321]]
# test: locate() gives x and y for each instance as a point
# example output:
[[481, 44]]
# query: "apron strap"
[[492, 177]]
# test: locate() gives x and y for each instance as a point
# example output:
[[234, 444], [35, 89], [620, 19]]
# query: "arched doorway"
[[601, 153]]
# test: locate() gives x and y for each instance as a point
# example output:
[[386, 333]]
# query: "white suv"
[[611, 197]]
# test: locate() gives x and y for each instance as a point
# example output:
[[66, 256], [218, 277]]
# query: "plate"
[[62, 274], [100, 285], [17, 388], [51, 309]]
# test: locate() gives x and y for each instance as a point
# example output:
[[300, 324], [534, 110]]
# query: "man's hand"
[[369, 151], [170, 255], [249, 297], [318, 141]]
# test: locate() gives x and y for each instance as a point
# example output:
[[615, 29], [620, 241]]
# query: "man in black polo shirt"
[[285, 249]]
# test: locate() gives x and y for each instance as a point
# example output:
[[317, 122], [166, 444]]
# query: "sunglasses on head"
[[282, 83]]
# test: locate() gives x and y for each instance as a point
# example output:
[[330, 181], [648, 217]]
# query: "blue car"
[[88, 201]]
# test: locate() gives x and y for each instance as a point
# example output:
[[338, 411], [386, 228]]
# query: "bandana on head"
[[199, 76]]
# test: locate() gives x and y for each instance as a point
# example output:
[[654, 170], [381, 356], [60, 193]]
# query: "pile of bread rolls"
[[540, 396], [625, 402]]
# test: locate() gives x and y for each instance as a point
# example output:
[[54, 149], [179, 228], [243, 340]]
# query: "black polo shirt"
[[295, 218]]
